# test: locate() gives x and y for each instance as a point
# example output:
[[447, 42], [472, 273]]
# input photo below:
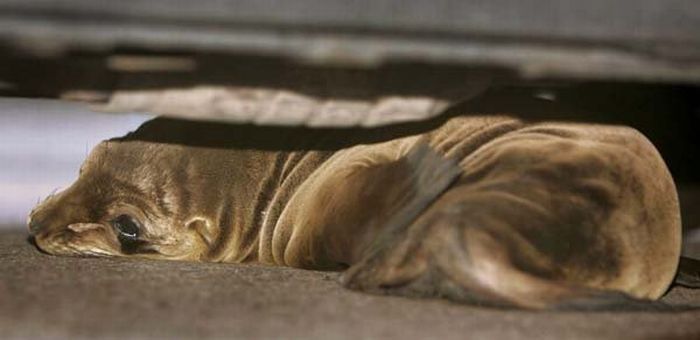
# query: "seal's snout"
[[40, 219], [37, 223], [34, 225]]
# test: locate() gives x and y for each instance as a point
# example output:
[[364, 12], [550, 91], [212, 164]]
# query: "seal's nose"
[[34, 225]]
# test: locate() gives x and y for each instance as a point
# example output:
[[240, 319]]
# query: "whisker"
[[55, 190]]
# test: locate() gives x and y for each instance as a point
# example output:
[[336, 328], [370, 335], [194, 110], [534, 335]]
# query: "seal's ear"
[[205, 229]]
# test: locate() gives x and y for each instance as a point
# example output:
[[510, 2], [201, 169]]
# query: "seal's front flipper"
[[425, 175], [361, 207], [408, 186], [688, 273]]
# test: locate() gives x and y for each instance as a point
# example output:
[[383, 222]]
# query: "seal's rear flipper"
[[688, 273], [611, 301], [688, 276]]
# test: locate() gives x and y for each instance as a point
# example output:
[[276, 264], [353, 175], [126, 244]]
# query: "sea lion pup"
[[484, 209]]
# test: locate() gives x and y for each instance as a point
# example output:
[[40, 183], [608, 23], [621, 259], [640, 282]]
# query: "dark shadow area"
[[668, 115], [50, 77], [249, 136]]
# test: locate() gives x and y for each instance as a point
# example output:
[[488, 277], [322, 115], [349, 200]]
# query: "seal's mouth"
[[65, 241]]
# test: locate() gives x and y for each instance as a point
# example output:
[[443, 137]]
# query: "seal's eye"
[[126, 226]]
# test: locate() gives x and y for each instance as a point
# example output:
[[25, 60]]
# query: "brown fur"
[[486, 209]]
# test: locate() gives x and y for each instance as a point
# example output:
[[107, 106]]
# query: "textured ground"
[[43, 296]]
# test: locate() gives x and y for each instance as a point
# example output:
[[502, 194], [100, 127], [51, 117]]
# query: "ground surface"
[[43, 296]]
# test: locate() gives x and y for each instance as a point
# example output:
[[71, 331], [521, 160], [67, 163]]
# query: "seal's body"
[[480, 208]]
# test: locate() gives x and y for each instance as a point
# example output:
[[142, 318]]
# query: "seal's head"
[[126, 202]]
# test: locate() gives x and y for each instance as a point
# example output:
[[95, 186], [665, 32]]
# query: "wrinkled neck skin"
[[248, 207], [284, 208]]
